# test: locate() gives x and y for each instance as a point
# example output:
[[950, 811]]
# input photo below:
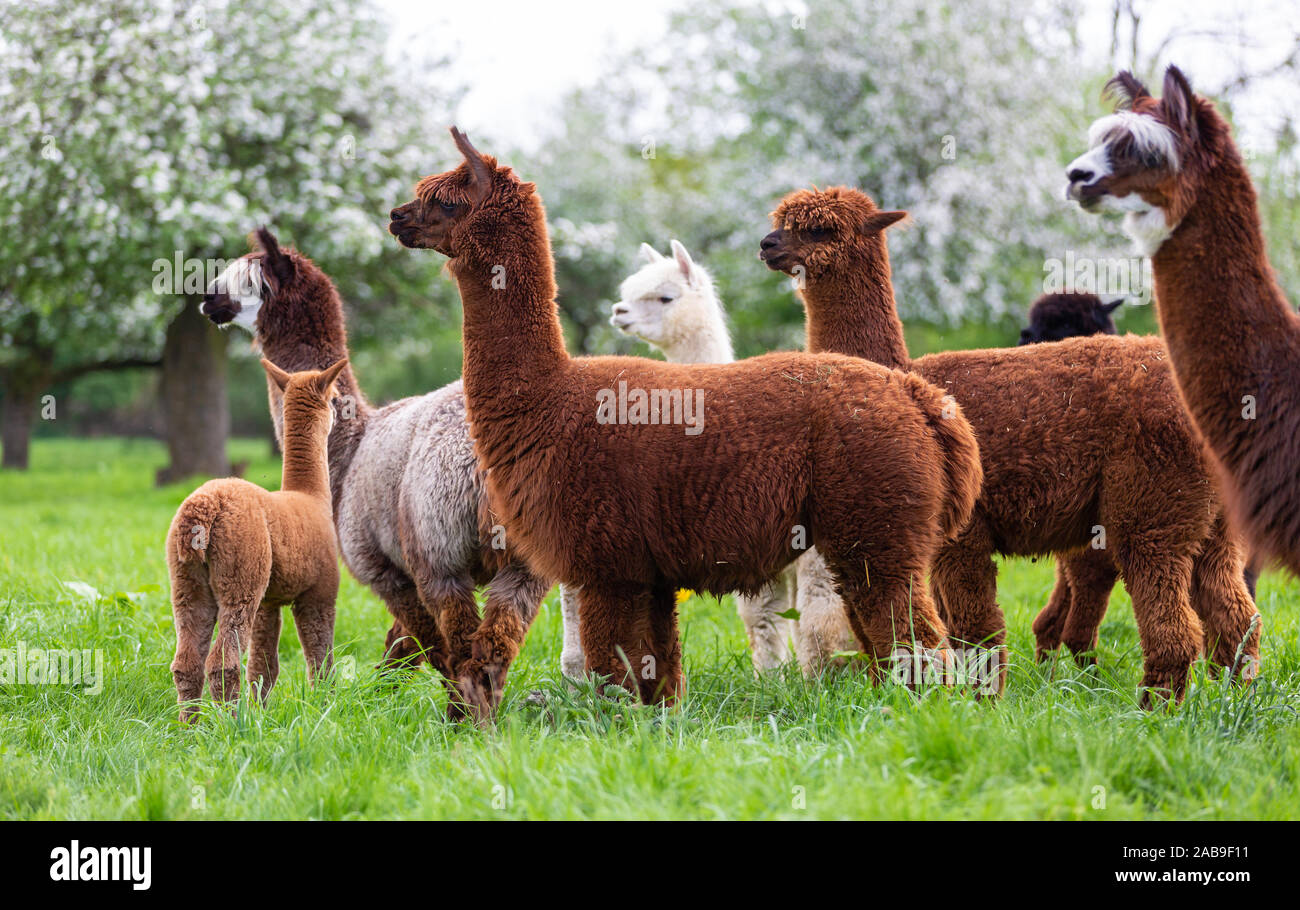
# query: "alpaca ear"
[[1125, 89], [329, 374], [1108, 308], [477, 167], [276, 263], [278, 376], [1179, 103], [878, 221], [684, 261], [649, 254]]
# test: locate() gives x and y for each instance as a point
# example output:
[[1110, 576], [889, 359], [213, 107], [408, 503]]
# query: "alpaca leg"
[[414, 635], [264, 651], [313, 617], [614, 620], [823, 628], [661, 677], [891, 614], [1223, 603], [1170, 632], [1050, 621], [514, 596], [1091, 575], [239, 584], [767, 630], [194, 609], [572, 661], [965, 584]]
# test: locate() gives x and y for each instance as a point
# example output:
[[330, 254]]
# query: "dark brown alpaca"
[[237, 554], [1171, 166], [409, 501], [1066, 314], [1055, 317], [1077, 438], [626, 509]]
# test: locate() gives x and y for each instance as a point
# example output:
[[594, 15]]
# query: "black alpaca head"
[[1055, 317]]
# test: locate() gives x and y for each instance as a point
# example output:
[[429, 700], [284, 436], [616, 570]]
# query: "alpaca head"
[[669, 303], [257, 287], [817, 231], [307, 394], [460, 212], [1148, 160], [1055, 317]]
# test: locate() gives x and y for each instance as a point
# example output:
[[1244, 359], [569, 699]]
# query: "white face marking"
[[242, 282], [1144, 223]]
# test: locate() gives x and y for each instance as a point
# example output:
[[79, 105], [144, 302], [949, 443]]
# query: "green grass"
[[1062, 743]]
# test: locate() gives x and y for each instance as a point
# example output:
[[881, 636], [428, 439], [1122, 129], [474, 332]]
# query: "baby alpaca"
[[237, 553]]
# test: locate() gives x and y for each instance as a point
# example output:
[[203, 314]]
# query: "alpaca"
[[1065, 314], [1083, 444], [237, 554], [628, 503], [408, 498], [1171, 166], [1055, 317]]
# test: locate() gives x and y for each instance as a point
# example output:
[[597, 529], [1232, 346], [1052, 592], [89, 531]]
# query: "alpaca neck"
[[351, 409], [1224, 318], [512, 337], [711, 344], [306, 456], [850, 310]]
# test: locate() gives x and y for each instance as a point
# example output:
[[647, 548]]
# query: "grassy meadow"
[[81, 567]]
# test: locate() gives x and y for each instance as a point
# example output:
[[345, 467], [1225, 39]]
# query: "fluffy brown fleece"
[[868, 460], [1075, 437], [237, 554], [1233, 338]]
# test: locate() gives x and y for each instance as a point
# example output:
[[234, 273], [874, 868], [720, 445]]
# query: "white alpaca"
[[671, 305]]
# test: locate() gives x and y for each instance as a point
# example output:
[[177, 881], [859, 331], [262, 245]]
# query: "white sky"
[[520, 61]]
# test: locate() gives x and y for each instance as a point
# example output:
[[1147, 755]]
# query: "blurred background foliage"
[[130, 130]]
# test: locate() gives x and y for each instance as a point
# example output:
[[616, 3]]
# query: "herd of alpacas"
[[851, 497]]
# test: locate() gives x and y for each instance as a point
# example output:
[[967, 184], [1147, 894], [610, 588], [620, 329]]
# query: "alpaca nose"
[[768, 242], [397, 215], [1080, 175], [620, 309]]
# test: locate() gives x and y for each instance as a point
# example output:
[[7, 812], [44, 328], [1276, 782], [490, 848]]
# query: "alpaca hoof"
[[190, 714], [1163, 687], [481, 686]]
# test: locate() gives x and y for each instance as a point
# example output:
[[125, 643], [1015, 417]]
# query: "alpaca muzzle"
[[220, 308]]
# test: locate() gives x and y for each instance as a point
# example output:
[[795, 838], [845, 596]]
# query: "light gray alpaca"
[[671, 304], [408, 499]]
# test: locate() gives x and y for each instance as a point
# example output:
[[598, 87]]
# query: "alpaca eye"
[[448, 208], [665, 300], [818, 233]]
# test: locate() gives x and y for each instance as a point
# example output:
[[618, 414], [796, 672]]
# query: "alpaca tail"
[[962, 472], [191, 529]]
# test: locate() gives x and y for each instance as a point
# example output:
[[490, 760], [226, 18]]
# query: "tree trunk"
[[196, 411], [22, 398]]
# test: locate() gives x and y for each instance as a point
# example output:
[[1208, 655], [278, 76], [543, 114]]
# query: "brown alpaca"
[[1055, 317], [709, 495], [1078, 438], [237, 554], [409, 501], [1171, 166]]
